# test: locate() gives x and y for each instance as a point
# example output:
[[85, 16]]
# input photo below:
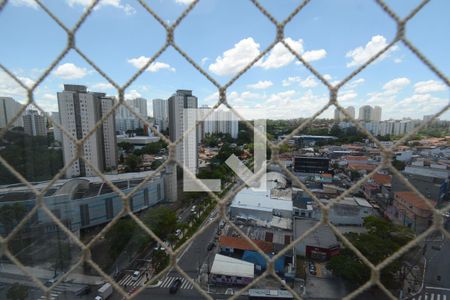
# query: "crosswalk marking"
[[185, 284], [431, 296], [128, 280]]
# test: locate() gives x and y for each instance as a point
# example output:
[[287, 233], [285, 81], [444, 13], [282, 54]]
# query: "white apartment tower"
[[218, 121], [160, 113], [368, 113], [80, 110], [126, 120], [57, 133], [34, 124], [8, 110], [179, 123]]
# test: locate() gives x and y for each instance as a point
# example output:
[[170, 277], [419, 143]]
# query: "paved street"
[[436, 284]]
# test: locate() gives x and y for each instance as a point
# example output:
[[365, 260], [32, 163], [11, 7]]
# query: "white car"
[[135, 275]]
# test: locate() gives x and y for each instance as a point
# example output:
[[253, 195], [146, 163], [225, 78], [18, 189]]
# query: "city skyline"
[[277, 86]]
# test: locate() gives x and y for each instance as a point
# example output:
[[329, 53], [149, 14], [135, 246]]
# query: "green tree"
[[133, 162], [120, 235], [17, 292], [154, 148], [127, 147], [155, 164], [398, 164], [11, 215], [381, 240], [162, 220]]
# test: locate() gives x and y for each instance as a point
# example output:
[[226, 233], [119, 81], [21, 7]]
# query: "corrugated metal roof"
[[225, 265]]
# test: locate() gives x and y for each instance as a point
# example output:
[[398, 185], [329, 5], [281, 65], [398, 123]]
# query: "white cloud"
[[361, 54], [69, 71], [127, 8], [430, 86], [155, 66], [28, 3], [132, 94], [280, 56], [314, 55], [396, 85], [291, 80], [246, 50], [235, 59], [10, 88], [347, 95], [309, 82], [102, 86], [204, 60], [261, 85], [354, 83], [327, 77], [48, 96], [184, 2]]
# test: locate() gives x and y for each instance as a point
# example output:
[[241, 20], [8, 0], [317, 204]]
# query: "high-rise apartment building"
[[368, 113], [219, 121], [57, 133], [179, 123], [339, 116], [80, 110], [8, 110], [160, 113], [34, 123], [126, 120]]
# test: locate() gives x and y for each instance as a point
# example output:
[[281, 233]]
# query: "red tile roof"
[[382, 179], [359, 167], [353, 157], [242, 244], [413, 199]]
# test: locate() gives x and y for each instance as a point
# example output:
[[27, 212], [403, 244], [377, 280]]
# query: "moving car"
[[211, 246], [135, 275], [175, 286]]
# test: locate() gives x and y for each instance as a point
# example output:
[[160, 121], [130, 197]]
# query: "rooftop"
[[322, 237], [382, 179], [243, 244], [413, 199], [225, 265], [426, 171]]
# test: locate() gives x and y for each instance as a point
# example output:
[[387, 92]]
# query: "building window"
[[109, 208], [84, 214]]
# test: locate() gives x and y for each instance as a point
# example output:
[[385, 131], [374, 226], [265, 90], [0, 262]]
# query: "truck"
[[104, 292]]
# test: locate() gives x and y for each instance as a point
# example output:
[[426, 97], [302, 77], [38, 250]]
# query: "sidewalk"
[[44, 274]]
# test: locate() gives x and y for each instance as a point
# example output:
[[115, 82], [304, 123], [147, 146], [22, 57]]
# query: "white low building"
[[228, 270], [348, 211], [263, 206]]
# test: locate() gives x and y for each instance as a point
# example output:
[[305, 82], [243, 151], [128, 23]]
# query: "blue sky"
[[223, 36]]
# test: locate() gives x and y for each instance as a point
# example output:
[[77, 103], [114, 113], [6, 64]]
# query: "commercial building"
[[409, 210], [8, 110], [34, 123], [348, 211], [321, 244], [80, 110], [218, 121], [160, 113], [86, 201], [232, 271], [432, 183], [272, 207], [311, 164]]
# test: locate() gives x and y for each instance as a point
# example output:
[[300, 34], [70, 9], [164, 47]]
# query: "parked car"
[[175, 286]]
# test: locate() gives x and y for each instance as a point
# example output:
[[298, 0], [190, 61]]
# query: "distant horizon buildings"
[[8, 110], [161, 113], [368, 113], [34, 123], [79, 111], [339, 116], [219, 121]]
